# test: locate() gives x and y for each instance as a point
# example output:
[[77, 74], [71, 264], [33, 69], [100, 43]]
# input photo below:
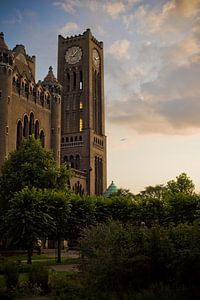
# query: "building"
[[68, 119], [27, 107], [83, 140]]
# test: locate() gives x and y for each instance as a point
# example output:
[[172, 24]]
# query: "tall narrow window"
[[81, 124], [42, 138], [71, 159], [78, 162], [31, 124], [74, 82], [25, 129], [36, 129], [81, 105], [81, 80], [65, 159], [19, 133], [68, 82]]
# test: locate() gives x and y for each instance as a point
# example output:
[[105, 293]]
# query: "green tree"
[[82, 214], [59, 209], [27, 219], [32, 166], [153, 192], [182, 184]]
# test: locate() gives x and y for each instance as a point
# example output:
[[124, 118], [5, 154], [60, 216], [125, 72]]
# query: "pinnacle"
[[2, 42], [50, 78]]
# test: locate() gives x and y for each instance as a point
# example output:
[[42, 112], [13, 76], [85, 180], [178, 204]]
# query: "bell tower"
[[83, 140]]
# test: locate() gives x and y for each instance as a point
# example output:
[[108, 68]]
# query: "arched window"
[[26, 128], [19, 134], [42, 138], [31, 124], [80, 137], [71, 160], [63, 140], [77, 162], [17, 83], [71, 139], [65, 159], [36, 129]]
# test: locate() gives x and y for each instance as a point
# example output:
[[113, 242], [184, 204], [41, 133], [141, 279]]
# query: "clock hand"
[[74, 53]]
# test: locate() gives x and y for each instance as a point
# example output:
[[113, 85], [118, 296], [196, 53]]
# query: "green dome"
[[112, 189]]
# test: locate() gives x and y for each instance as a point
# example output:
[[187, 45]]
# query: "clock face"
[[95, 58], [73, 55]]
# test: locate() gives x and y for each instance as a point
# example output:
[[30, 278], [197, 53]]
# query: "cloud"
[[164, 22], [120, 49], [187, 8], [15, 19], [68, 5], [69, 28], [169, 105], [114, 8], [184, 52]]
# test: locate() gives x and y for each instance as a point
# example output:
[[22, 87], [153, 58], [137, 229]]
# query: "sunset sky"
[[152, 76]]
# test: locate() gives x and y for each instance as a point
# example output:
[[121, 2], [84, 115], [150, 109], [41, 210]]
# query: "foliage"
[[183, 184], [39, 276], [153, 192], [66, 287], [32, 166], [110, 252], [59, 209], [120, 258], [11, 274], [82, 215], [27, 219]]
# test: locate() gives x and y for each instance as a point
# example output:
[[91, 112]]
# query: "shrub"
[[38, 277], [65, 287], [11, 274]]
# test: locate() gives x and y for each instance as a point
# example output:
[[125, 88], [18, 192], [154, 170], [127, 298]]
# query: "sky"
[[152, 77]]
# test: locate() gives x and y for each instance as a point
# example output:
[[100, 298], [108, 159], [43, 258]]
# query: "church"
[[67, 114]]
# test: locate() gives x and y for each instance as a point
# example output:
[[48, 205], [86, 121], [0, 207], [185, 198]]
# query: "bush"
[[38, 277], [114, 257], [65, 287], [11, 274]]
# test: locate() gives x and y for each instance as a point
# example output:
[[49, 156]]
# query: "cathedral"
[[67, 114]]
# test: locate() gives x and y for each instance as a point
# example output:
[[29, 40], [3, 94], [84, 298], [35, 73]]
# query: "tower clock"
[[81, 73]]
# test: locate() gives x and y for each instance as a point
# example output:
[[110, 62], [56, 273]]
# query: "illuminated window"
[[81, 105], [81, 80], [81, 124]]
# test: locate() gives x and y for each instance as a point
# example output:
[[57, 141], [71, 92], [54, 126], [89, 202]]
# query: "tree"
[[153, 192], [82, 215], [182, 184], [27, 219], [32, 166], [59, 209]]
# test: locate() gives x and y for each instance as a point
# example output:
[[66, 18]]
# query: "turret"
[[6, 63], [54, 88]]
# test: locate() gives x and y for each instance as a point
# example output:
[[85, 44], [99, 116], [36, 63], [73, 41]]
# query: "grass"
[[43, 260]]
